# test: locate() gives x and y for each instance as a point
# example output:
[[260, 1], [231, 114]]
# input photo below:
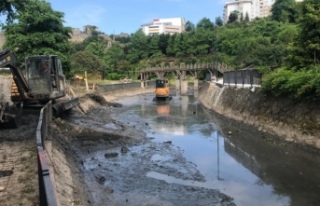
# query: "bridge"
[[180, 73]]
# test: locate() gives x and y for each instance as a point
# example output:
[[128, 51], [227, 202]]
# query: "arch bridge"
[[180, 73]]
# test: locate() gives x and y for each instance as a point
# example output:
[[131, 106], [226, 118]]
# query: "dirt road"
[[18, 164]]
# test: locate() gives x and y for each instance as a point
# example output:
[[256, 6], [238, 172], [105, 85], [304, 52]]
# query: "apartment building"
[[164, 26], [255, 8], [244, 7]]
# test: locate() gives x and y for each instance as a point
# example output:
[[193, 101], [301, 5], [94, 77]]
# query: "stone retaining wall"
[[291, 120]]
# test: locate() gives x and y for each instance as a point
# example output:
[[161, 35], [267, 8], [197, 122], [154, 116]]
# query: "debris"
[[124, 149], [101, 180], [111, 155]]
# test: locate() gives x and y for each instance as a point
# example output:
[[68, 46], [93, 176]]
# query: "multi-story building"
[[164, 26], [255, 8], [244, 7]]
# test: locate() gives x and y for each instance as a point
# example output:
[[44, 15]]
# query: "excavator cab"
[[45, 77]]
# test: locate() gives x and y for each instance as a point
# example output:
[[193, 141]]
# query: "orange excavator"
[[162, 90]]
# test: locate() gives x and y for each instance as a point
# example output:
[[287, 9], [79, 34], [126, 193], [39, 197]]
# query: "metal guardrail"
[[242, 77], [46, 186]]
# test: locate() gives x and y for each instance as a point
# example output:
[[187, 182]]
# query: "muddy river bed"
[[178, 153]]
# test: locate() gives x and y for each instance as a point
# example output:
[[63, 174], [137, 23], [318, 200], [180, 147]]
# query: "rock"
[[111, 155], [168, 142], [2, 188], [230, 132], [124, 149], [101, 180]]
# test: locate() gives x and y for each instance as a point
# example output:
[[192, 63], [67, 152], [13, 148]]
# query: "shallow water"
[[250, 169]]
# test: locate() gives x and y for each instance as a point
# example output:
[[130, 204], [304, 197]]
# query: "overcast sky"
[[116, 16]]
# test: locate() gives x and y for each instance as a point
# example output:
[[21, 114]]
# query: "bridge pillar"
[[142, 79], [185, 105], [177, 84], [184, 83], [196, 84]]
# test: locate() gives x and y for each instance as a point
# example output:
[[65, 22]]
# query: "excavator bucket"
[[11, 118]]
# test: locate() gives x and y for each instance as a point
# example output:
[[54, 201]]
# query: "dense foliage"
[[285, 46], [38, 30]]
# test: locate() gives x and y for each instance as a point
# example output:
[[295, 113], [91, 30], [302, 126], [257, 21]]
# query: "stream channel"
[[193, 148]]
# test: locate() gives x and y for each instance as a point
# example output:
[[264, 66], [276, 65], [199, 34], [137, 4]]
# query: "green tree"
[[98, 48], [219, 21], [233, 17], [85, 61], [284, 11], [163, 43], [171, 46], [38, 30], [115, 60], [9, 8], [205, 23], [190, 26], [138, 47], [247, 19], [203, 39], [306, 50]]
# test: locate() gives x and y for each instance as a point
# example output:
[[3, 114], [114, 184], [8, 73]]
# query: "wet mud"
[[120, 165]]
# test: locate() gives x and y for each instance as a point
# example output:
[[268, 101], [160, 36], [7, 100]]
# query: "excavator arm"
[[8, 59]]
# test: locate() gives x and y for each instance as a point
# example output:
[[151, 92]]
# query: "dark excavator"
[[42, 81]]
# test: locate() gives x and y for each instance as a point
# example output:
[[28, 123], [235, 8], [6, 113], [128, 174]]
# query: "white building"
[[255, 8], [244, 7], [164, 26]]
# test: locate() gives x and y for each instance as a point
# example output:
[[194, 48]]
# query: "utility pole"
[[215, 73]]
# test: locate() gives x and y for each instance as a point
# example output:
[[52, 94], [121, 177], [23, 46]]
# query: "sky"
[[127, 16]]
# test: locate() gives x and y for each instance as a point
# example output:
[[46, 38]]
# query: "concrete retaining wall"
[[291, 120]]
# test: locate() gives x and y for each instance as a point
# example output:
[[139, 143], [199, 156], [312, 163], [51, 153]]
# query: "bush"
[[115, 76], [297, 84]]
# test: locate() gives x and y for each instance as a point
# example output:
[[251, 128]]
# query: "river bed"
[[193, 157]]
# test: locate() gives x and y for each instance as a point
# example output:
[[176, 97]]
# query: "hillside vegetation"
[[285, 47]]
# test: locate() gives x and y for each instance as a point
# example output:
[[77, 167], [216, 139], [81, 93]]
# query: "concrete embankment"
[[291, 120]]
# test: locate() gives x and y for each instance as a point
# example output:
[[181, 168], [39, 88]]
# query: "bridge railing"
[[221, 67], [242, 77], [46, 185]]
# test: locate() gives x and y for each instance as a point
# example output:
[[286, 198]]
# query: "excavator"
[[162, 90], [42, 81]]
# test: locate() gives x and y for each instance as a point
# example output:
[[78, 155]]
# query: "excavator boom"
[[9, 59]]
